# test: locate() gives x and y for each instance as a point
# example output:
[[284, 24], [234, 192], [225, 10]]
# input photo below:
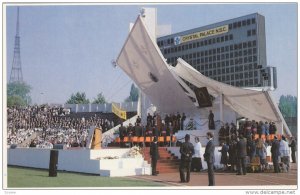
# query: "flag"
[[117, 111]]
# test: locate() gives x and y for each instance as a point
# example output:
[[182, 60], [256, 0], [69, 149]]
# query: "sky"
[[70, 48]]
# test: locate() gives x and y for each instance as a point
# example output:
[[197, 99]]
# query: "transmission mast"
[[16, 71]]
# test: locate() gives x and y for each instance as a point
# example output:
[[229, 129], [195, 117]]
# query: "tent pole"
[[221, 108]]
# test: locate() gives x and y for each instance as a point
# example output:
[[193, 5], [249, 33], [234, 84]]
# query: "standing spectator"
[[196, 161], [232, 152], [293, 146], [261, 151], [209, 157], [272, 128], [211, 122], [251, 146], [267, 126], [275, 154], [138, 120], [222, 133], [186, 151], [182, 121], [178, 121], [284, 151], [241, 148], [154, 155], [224, 157], [122, 133], [164, 133], [167, 120], [149, 120]]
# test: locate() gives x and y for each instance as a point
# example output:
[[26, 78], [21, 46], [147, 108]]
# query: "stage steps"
[[167, 163]]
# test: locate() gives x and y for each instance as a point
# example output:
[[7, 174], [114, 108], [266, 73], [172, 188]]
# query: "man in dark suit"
[[275, 154], [154, 155], [186, 151], [241, 152], [209, 157], [293, 146], [122, 133]]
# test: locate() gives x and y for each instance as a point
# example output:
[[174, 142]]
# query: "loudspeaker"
[[53, 163]]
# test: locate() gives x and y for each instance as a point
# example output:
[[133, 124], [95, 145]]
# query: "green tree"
[[18, 94], [100, 99], [134, 94], [288, 106], [78, 98], [15, 101]]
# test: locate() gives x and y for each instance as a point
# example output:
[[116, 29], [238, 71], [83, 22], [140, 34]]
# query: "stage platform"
[[82, 161]]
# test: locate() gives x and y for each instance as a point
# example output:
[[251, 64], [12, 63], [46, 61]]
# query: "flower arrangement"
[[108, 157], [135, 152]]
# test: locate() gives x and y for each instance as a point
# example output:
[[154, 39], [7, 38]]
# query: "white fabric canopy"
[[143, 62], [252, 104]]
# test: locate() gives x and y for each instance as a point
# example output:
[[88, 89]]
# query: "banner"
[[200, 35], [120, 113]]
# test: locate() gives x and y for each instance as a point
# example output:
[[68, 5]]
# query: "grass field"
[[36, 178]]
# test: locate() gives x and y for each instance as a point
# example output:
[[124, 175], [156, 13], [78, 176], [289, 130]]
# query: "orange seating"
[[126, 139], [148, 139], [161, 139], [134, 139], [256, 136], [141, 139], [173, 139], [118, 140], [268, 159], [168, 138]]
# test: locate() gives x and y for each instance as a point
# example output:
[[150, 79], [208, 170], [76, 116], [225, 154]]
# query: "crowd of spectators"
[[256, 136], [53, 125]]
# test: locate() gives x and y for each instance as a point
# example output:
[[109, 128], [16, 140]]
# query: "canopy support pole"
[[221, 108]]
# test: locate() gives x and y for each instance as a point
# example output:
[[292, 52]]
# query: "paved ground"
[[229, 179]]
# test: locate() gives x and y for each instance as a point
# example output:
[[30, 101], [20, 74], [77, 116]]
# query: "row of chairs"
[[147, 139], [268, 137]]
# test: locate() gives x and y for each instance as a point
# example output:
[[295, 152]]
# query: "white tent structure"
[[165, 85]]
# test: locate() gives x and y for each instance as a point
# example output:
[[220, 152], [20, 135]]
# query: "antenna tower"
[[16, 71]]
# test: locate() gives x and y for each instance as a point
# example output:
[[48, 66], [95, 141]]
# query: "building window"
[[232, 77], [190, 46], [234, 25], [254, 43], [255, 73], [248, 33], [230, 26], [253, 32], [218, 39], [239, 24], [249, 44], [168, 41], [250, 74], [253, 20], [222, 39], [254, 50], [244, 22], [231, 37], [246, 75], [226, 38], [194, 45], [254, 58], [248, 22]]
